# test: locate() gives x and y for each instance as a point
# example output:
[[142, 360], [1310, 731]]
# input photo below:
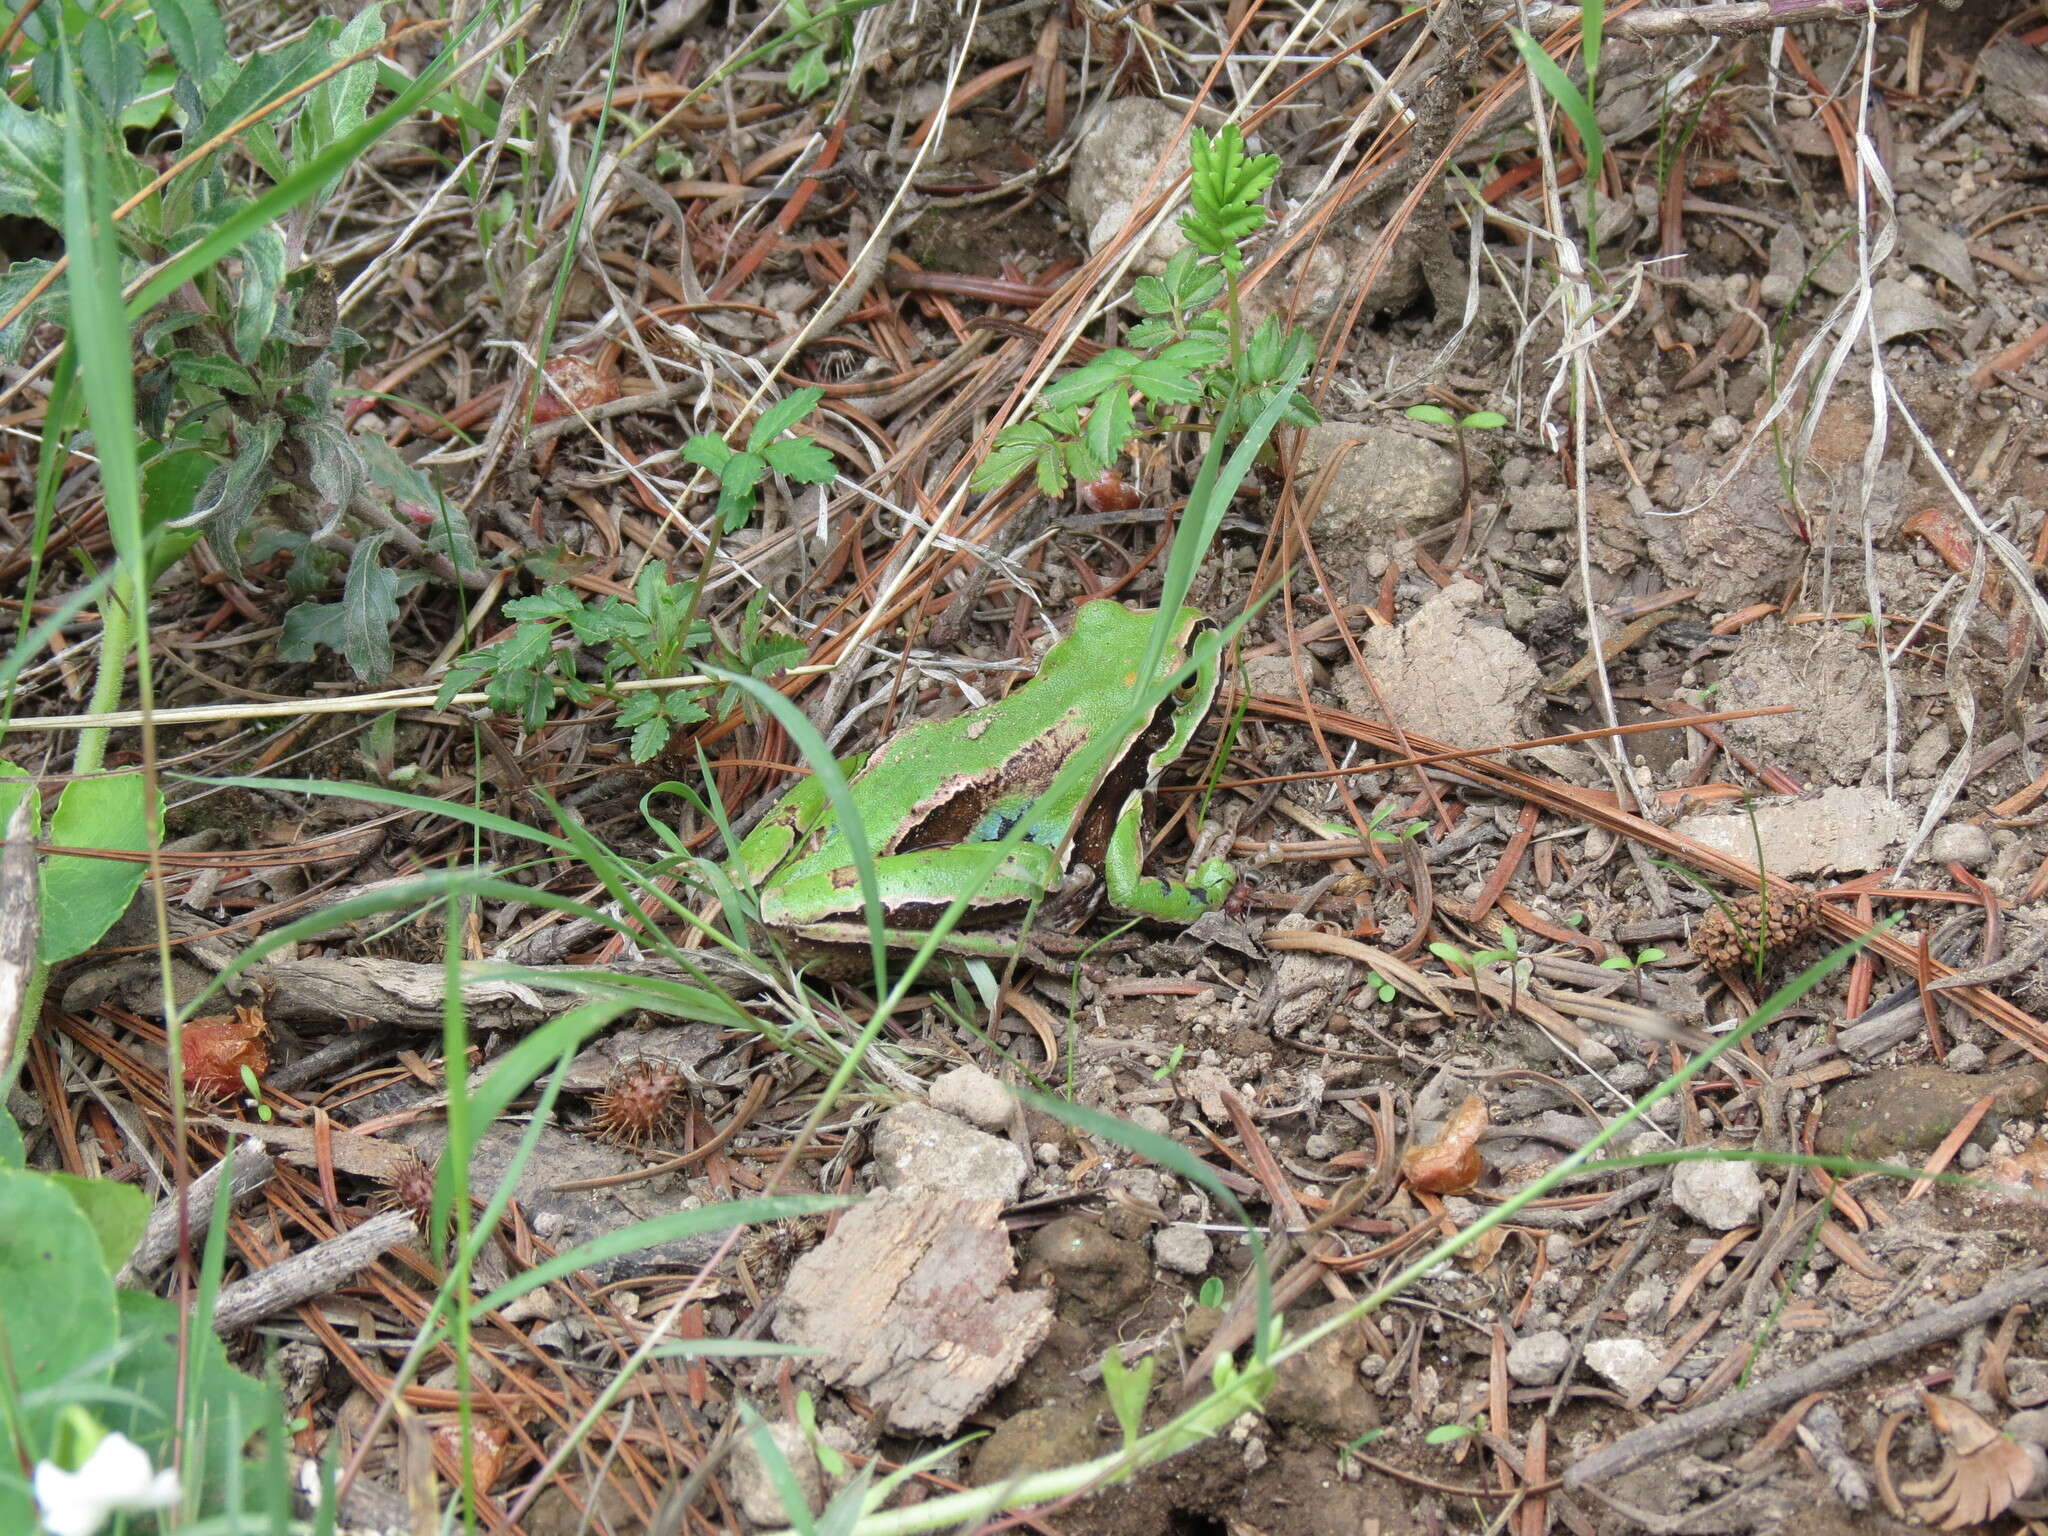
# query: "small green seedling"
[[1449, 1434], [1381, 829], [1171, 1065], [1382, 988], [1128, 1391], [1634, 967], [1474, 421], [1212, 1293], [255, 1094]]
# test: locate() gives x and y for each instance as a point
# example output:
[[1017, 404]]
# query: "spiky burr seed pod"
[[769, 1251], [409, 1187], [1731, 937], [639, 1106]]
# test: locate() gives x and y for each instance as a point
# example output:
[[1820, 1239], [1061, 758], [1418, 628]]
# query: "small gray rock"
[[1960, 842], [1719, 1193], [916, 1147], [974, 1096], [755, 1491], [1629, 1365], [1186, 1250], [1389, 480], [1965, 1057], [1539, 1359], [1036, 1440]]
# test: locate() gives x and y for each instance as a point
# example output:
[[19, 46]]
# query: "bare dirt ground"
[[1782, 445]]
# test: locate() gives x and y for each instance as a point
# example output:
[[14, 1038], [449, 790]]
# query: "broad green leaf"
[[31, 165], [211, 370], [336, 106], [334, 467], [56, 1296], [256, 293], [115, 1212], [81, 896], [217, 1396], [369, 604], [197, 40], [19, 278], [111, 65], [782, 415]]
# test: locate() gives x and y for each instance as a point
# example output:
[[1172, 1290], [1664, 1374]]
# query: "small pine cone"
[[639, 1106], [1729, 937], [409, 1187]]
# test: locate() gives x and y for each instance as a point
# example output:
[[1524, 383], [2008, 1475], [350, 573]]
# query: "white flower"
[[116, 1479]]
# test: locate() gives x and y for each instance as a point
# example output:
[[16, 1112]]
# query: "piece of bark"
[[909, 1302], [252, 1170], [19, 929], [315, 1272]]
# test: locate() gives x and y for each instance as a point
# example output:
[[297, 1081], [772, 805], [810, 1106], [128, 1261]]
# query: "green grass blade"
[[1558, 86]]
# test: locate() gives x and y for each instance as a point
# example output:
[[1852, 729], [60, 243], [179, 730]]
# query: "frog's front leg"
[[1132, 890]]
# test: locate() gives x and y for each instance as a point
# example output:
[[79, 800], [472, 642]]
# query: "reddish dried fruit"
[[570, 384], [1451, 1164], [489, 1436], [219, 1046], [639, 1106], [1731, 937], [1107, 492]]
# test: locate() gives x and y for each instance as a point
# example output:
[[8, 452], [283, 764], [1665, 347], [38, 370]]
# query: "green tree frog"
[[939, 787]]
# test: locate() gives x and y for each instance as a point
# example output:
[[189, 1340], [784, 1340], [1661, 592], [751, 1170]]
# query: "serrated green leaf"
[[1113, 369], [802, 459], [737, 479], [810, 73], [708, 450], [648, 738], [1163, 383], [1110, 425], [782, 415], [234, 491]]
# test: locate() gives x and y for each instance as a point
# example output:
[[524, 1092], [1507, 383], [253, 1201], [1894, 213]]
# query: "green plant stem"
[[117, 636]]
